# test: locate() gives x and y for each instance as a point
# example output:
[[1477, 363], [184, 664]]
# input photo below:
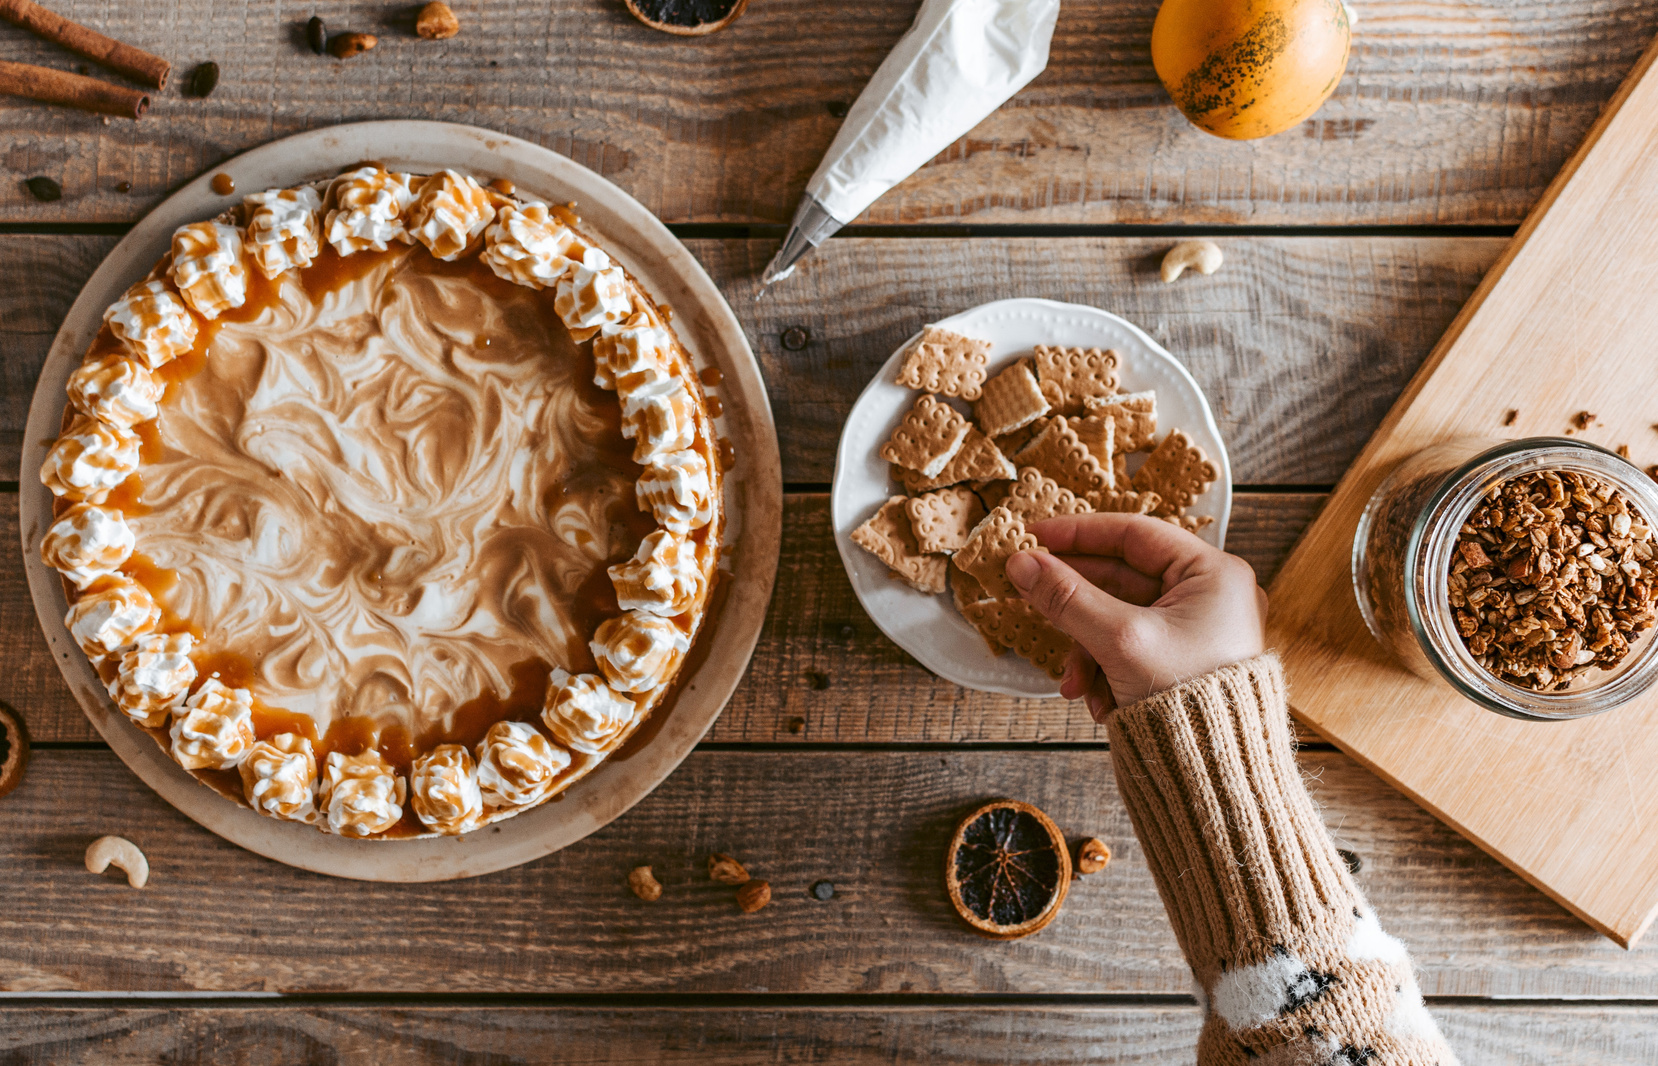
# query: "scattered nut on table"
[[644, 884], [726, 870], [753, 896], [1092, 855], [347, 45], [122, 854], [436, 22], [1203, 255]]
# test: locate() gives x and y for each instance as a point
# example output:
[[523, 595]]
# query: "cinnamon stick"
[[61, 87], [124, 59]]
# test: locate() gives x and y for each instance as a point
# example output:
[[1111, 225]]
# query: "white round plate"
[[753, 495], [929, 627]]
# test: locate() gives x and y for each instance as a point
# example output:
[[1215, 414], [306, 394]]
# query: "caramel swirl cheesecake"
[[390, 505]]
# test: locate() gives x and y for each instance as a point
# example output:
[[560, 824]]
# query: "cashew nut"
[[1204, 255], [644, 885], [122, 853]]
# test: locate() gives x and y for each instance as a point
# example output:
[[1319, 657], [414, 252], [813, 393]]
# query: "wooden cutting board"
[[1566, 321]]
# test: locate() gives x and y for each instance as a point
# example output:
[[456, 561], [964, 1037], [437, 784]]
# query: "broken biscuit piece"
[[1034, 496], [998, 537], [927, 437], [1135, 414], [1070, 377], [1016, 624], [1178, 471], [1010, 401], [942, 519], [888, 536], [1060, 454], [978, 460]]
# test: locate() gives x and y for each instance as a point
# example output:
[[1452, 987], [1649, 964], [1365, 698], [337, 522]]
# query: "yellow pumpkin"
[[1250, 68]]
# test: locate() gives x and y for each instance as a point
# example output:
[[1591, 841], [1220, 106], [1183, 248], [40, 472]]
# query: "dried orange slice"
[[14, 749], [1008, 870]]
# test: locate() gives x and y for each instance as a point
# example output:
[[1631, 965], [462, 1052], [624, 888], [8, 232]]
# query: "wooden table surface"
[[1351, 242]]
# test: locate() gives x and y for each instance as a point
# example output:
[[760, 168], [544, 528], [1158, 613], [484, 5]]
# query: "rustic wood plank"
[[1517, 1035], [822, 672], [1447, 114], [875, 823], [1301, 344]]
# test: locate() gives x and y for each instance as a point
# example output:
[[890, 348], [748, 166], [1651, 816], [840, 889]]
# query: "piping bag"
[[960, 60]]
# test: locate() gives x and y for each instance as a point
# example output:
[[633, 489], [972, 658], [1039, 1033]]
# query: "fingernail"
[[1022, 570]]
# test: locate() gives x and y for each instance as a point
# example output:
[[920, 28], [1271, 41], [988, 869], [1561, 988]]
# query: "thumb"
[[1087, 613]]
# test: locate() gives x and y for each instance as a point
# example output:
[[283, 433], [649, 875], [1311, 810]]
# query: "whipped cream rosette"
[[367, 208], [633, 355], [154, 677], [87, 542], [116, 391], [153, 323], [111, 617], [586, 714], [528, 245], [208, 267], [361, 795], [90, 460], [283, 230], [444, 790], [339, 482], [214, 729], [448, 213], [594, 294], [517, 766], [279, 778]]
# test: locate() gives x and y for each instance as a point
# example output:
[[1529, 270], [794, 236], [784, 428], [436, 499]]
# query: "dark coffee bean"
[[816, 680], [797, 724], [204, 79], [316, 35], [847, 632], [1351, 858], [839, 108], [44, 189], [822, 890], [796, 337], [123, 186]]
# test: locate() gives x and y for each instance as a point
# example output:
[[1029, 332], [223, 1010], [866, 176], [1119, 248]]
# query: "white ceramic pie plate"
[[929, 627], [753, 495]]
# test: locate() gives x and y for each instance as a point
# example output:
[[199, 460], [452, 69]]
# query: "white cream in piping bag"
[[960, 60]]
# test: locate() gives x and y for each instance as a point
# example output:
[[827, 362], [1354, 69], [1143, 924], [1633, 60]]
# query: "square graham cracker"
[[945, 362], [1034, 496]]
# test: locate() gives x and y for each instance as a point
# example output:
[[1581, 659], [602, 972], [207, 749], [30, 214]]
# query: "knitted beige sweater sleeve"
[[1293, 965]]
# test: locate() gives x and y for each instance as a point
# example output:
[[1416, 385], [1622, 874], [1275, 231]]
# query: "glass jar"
[[1402, 563]]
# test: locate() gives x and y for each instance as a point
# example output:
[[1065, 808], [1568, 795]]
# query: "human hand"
[[1148, 604]]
